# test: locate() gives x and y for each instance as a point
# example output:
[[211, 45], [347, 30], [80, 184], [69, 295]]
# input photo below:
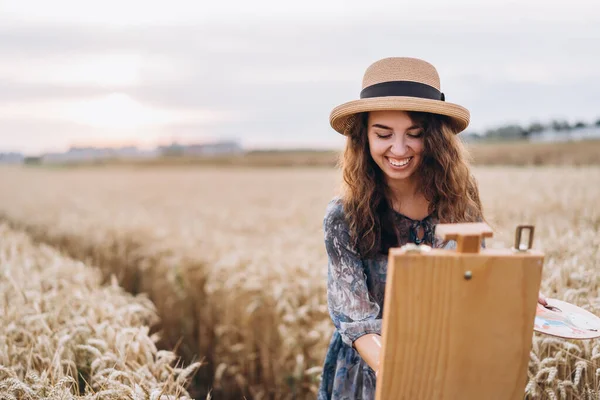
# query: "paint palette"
[[566, 320]]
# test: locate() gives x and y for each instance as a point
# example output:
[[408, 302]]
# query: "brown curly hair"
[[444, 179]]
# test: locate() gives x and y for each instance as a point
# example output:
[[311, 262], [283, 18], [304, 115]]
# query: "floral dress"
[[355, 291]]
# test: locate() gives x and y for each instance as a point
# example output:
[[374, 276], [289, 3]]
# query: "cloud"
[[33, 135], [12, 92], [277, 79]]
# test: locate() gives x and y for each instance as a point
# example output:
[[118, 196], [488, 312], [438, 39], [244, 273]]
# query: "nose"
[[399, 146]]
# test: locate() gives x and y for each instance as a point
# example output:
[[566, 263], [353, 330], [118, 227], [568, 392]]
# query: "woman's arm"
[[353, 311]]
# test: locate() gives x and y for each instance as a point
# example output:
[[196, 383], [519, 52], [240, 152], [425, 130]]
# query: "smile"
[[399, 163]]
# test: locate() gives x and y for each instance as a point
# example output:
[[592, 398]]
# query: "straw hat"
[[399, 83]]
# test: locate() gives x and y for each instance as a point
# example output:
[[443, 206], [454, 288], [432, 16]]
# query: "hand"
[[542, 299], [369, 348]]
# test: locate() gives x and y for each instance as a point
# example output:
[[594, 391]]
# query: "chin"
[[399, 175]]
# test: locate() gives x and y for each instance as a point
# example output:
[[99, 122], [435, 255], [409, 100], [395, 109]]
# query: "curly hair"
[[444, 179]]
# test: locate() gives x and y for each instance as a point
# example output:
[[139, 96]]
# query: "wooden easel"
[[458, 325]]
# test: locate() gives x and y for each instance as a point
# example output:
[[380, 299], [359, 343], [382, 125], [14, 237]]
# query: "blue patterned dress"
[[355, 291]]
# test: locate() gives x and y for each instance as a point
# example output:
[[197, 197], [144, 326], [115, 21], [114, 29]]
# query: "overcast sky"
[[268, 73]]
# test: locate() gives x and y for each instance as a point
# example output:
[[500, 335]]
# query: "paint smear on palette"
[[566, 320]]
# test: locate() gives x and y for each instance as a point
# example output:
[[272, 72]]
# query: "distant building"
[[201, 150], [172, 150], [11, 158], [95, 154], [212, 149], [92, 154]]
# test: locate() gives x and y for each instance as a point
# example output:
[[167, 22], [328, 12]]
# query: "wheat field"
[[65, 336], [233, 260]]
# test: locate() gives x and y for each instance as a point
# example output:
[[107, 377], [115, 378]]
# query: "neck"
[[404, 191]]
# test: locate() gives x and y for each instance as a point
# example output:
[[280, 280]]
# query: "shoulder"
[[334, 221], [334, 212], [336, 228], [334, 208]]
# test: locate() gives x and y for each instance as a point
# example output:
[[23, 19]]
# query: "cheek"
[[377, 148], [418, 146]]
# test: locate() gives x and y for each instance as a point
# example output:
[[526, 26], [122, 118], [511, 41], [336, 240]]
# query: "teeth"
[[399, 163]]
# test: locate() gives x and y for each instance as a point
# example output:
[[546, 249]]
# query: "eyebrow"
[[390, 129]]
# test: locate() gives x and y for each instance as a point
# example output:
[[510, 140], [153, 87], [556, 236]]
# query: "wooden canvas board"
[[446, 336]]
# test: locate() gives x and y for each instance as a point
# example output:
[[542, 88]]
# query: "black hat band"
[[402, 88]]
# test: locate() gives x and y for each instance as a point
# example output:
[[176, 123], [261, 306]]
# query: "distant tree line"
[[519, 132]]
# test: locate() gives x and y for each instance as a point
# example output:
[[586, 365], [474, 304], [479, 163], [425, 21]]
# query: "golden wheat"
[[64, 336], [234, 261]]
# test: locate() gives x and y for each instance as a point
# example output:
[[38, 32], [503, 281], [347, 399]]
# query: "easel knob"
[[468, 235]]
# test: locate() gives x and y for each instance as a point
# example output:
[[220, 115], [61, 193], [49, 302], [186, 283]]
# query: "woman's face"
[[396, 143]]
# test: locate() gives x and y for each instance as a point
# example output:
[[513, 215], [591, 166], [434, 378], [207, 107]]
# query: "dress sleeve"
[[353, 311]]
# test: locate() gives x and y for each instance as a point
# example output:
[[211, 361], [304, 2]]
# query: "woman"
[[405, 170]]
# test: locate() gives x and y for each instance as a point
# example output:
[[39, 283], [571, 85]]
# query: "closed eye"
[[383, 136]]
